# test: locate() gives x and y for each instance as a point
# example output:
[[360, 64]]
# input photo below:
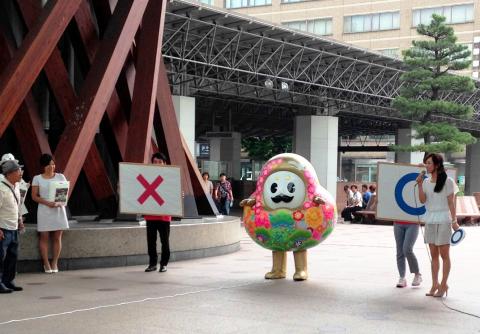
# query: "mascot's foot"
[[279, 267], [300, 266], [300, 276], [275, 275]]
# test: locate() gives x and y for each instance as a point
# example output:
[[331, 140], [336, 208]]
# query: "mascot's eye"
[[274, 188], [291, 187]]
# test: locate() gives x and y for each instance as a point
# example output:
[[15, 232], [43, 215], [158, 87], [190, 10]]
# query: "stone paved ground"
[[350, 290]]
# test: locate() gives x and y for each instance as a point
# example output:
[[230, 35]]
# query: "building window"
[[290, 1], [453, 14], [395, 52], [318, 26], [207, 2], [371, 22], [246, 3]]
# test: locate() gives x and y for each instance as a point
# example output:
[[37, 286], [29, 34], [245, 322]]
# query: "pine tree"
[[429, 62]]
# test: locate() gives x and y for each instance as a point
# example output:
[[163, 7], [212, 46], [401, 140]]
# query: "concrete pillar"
[[185, 111], [227, 149], [316, 139], [472, 172], [405, 137]]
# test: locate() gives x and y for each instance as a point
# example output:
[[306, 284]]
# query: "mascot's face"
[[284, 189]]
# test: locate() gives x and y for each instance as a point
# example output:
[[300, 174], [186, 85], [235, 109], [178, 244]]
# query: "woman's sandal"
[[432, 291]]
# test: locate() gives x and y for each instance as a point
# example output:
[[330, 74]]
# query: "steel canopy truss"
[[218, 52]]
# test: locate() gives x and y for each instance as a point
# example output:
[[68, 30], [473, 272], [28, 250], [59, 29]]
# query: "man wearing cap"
[[8, 157], [10, 223]]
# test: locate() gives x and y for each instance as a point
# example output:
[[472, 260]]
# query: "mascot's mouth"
[[282, 198]]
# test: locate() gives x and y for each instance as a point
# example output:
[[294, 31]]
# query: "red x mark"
[[150, 189]]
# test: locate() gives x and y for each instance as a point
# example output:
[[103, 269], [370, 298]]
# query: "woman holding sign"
[[438, 194], [50, 191]]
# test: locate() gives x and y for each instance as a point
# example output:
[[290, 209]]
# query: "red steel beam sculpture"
[[27, 62], [173, 138], [146, 79], [26, 123], [65, 96], [98, 87], [90, 40], [149, 91]]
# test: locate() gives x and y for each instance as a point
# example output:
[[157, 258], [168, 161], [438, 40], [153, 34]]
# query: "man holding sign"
[[154, 191], [160, 224]]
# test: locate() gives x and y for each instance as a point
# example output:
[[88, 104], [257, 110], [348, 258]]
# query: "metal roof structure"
[[230, 59]]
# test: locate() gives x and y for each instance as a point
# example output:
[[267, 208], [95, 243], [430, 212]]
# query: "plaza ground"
[[351, 289]]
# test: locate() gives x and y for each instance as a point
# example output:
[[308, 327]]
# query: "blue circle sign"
[[404, 180]]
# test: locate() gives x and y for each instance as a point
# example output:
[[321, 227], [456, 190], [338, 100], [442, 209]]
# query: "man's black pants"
[[163, 229]]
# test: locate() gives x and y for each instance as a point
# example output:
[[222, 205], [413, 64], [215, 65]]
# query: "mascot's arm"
[[318, 200], [248, 202]]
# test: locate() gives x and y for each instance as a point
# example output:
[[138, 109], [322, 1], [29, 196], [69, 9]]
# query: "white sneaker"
[[402, 282], [417, 280]]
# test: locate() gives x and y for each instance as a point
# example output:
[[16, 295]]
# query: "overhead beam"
[[364, 148], [98, 86], [27, 62]]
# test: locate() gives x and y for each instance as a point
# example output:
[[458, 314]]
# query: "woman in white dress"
[[51, 216], [438, 194]]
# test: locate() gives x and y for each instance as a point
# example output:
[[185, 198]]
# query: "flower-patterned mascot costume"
[[289, 211]]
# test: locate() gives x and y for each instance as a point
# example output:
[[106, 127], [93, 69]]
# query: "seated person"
[[366, 194], [356, 205]]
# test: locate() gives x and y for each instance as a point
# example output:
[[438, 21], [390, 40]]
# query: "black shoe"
[[4, 289], [162, 269], [13, 287], [150, 268]]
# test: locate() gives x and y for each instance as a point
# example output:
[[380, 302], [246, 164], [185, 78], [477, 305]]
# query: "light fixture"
[[269, 84], [284, 86]]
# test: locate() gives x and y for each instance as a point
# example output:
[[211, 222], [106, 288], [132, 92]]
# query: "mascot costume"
[[289, 211]]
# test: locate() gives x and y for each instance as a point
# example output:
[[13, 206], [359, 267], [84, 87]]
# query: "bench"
[[477, 198], [467, 209], [368, 215]]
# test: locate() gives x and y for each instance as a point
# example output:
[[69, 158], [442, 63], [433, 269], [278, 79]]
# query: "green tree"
[[429, 62], [264, 148]]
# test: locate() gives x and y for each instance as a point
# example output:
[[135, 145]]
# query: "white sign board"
[[150, 189], [397, 193]]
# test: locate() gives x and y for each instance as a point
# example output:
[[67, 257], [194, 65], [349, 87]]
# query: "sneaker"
[[150, 268], [417, 280], [402, 282], [162, 269]]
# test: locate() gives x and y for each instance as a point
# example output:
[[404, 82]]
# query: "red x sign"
[[150, 189]]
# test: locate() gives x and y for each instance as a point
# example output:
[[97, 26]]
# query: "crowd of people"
[[437, 193], [52, 217], [356, 200], [222, 193]]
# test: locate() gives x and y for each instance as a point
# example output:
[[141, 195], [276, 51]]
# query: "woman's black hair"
[[160, 156], [437, 160], [45, 160], [206, 173]]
